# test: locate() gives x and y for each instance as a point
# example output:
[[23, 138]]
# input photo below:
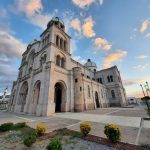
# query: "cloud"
[[33, 10], [129, 82], [113, 58], [147, 35], [86, 3], [11, 49], [142, 57], [141, 67], [30, 7], [79, 59], [130, 85], [102, 43], [75, 23], [10, 45], [87, 27], [144, 26]]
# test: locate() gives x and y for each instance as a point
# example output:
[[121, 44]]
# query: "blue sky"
[[110, 32]]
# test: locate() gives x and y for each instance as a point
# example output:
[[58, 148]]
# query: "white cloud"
[[79, 59], [142, 57], [144, 26], [75, 23], [86, 3], [10, 45], [102, 43], [87, 27], [33, 10], [114, 57], [30, 7], [11, 50], [147, 35], [141, 67]]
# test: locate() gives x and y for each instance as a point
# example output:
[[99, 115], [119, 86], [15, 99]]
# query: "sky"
[[109, 32]]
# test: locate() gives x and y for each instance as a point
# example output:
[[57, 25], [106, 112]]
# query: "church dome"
[[90, 63]]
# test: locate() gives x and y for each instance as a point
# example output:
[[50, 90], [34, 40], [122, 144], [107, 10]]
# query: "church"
[[50, 81]]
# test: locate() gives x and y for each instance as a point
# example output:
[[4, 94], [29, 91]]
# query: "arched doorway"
[[36, 94], [23, 95], [60, 95], [97, 100]]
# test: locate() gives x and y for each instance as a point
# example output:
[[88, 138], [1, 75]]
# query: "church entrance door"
[[58, 97]]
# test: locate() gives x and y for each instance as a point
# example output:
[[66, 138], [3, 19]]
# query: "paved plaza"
[[134, 130]]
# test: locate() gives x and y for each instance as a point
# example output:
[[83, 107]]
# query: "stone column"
[[50, 104]]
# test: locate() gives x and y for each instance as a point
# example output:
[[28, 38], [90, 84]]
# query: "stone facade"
[[50, 81]]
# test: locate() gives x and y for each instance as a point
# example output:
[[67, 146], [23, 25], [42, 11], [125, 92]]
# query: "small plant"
[[29, 140], [20, 125], [112, 132], [6, 126], [55, 144], [85, 128], [40, 129]]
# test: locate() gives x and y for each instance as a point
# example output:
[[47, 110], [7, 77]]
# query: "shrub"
[[40, 129], [20, 125], [85, 128], [6, 126], [55, 144], [112, 132], [29, 140]]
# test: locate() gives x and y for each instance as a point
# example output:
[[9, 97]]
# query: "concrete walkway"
[[128, 119], [119, 120]]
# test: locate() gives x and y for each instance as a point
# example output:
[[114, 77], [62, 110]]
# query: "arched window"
[[63, 62], [58, 60], [100, 80], [113, 94], [57, 40], [61, 43], [111, 78], [108, 78], [65, 45], [89, 94], [43, 59]]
